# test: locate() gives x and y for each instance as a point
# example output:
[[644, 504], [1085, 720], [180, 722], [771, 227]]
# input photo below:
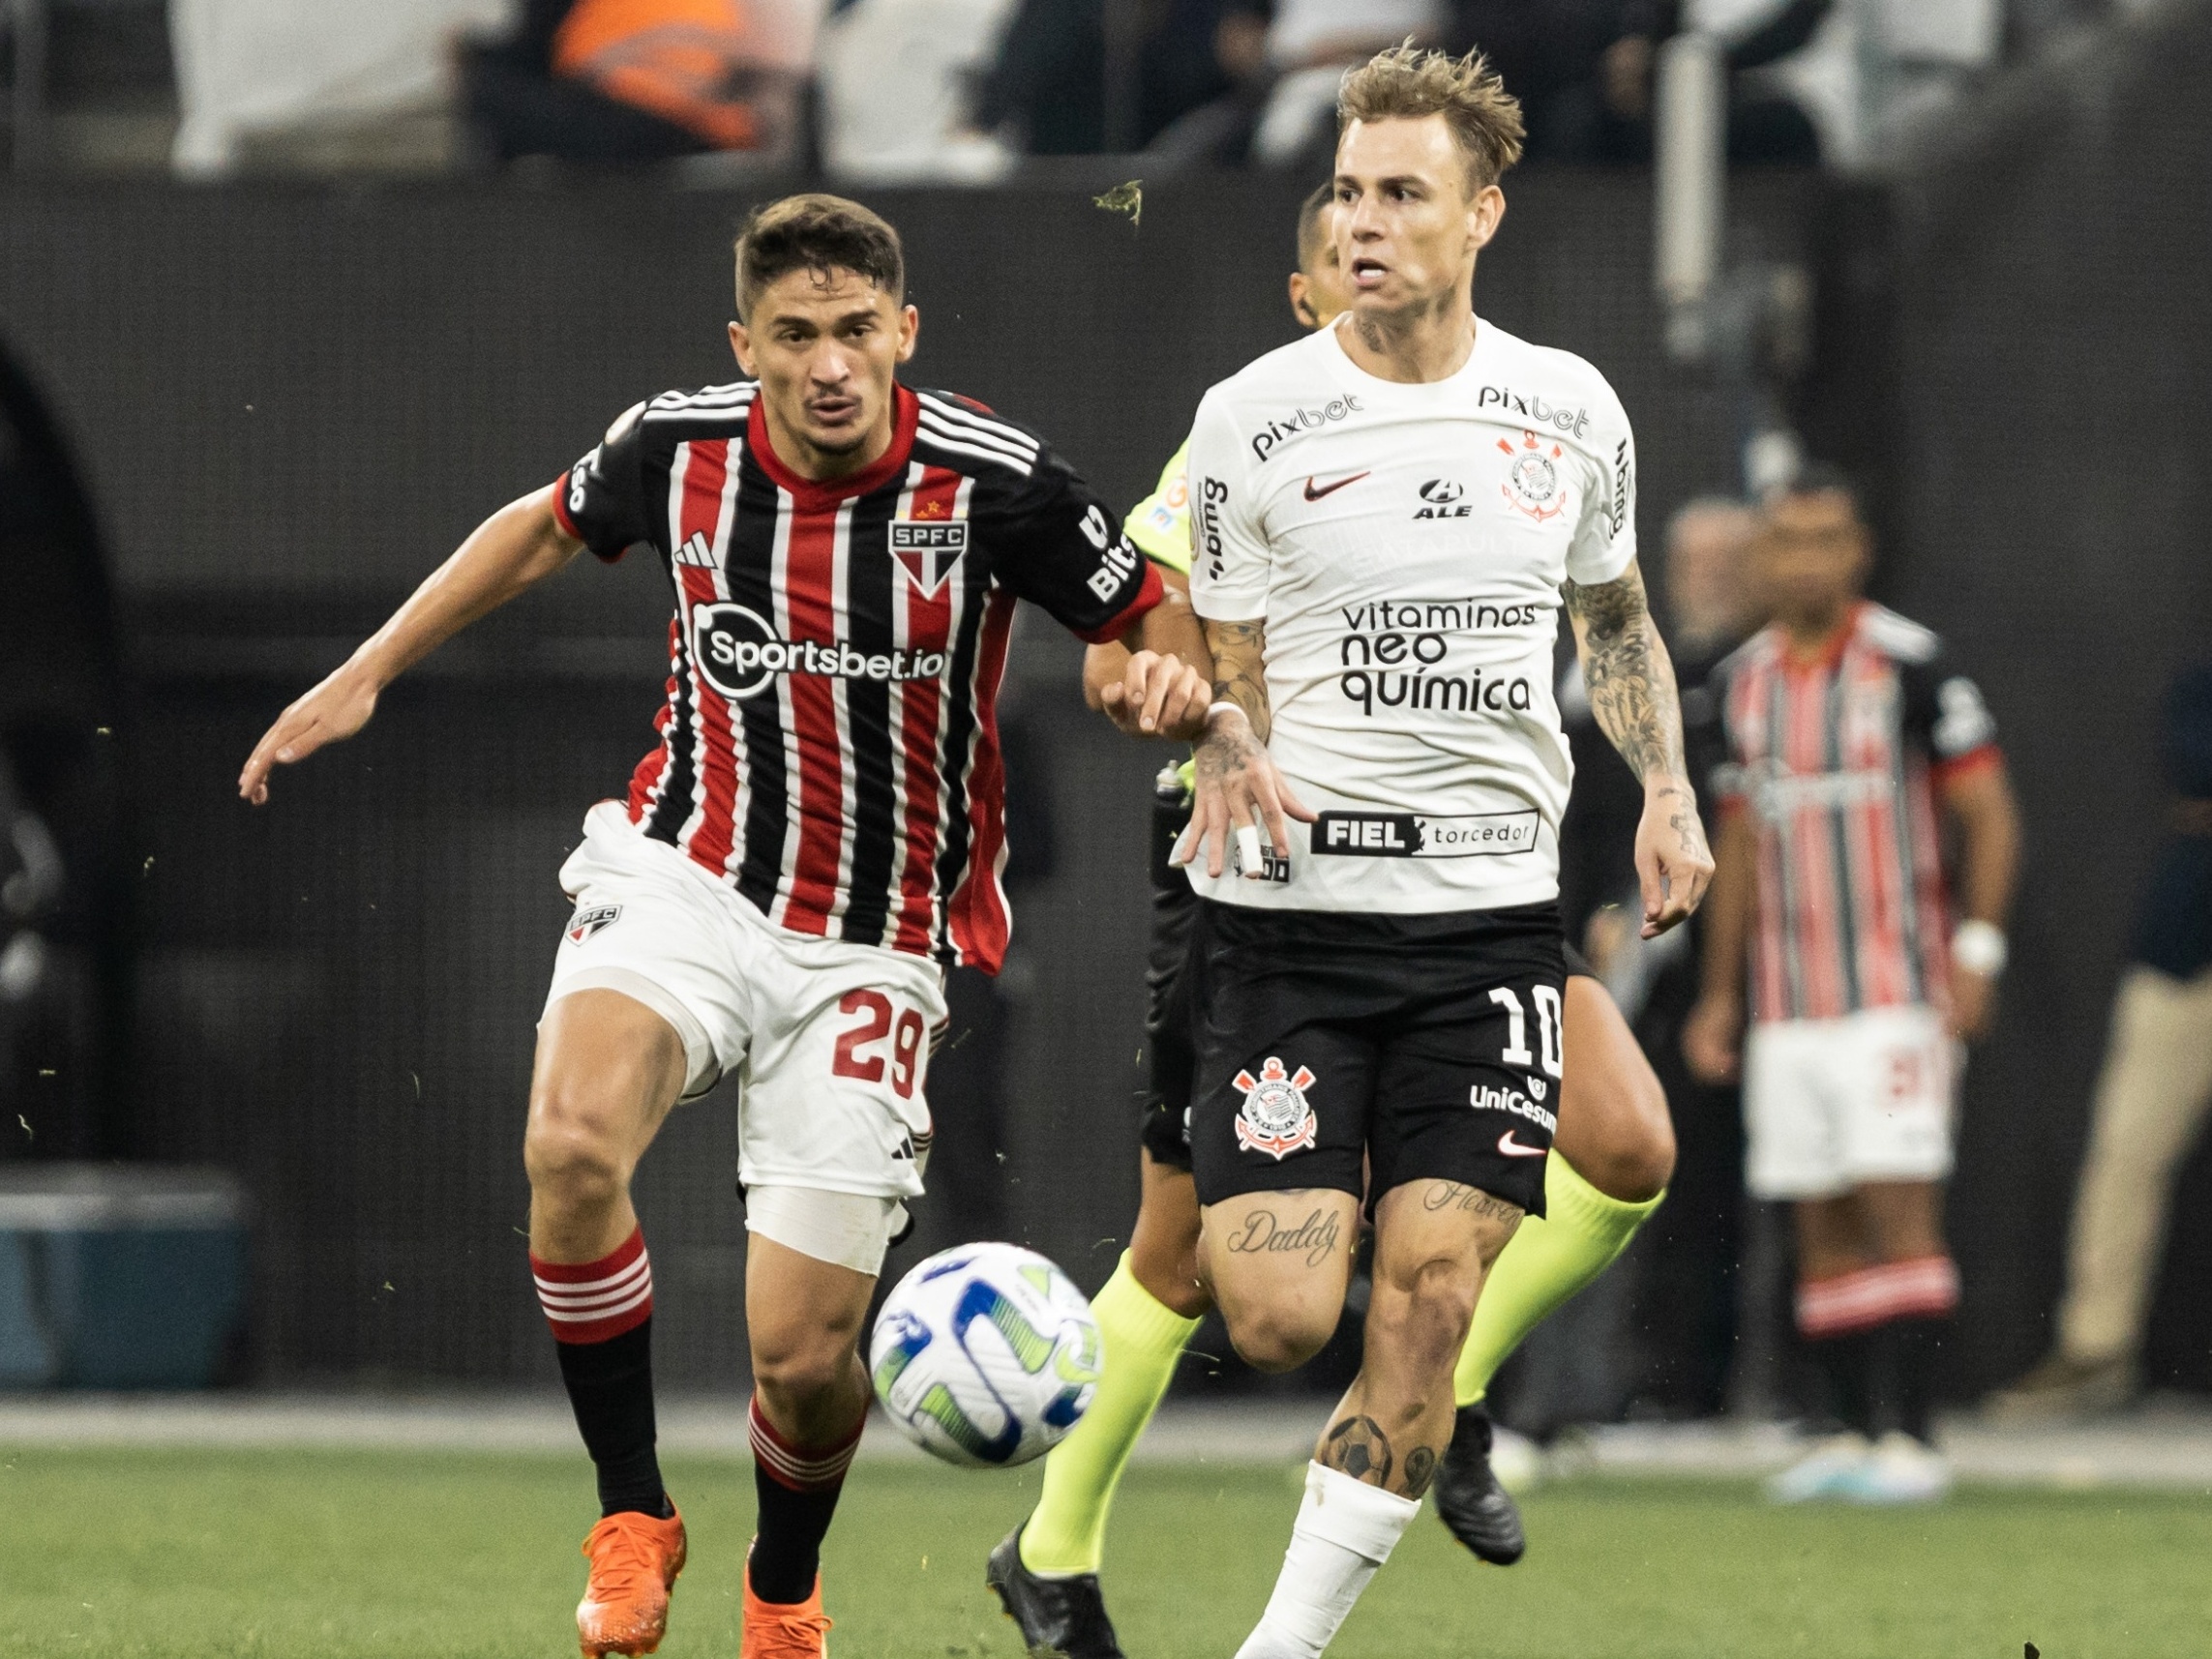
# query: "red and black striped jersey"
[[1836, 760], [828, 744]]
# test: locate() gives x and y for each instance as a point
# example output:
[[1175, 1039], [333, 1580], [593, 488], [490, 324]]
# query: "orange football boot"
[[634, 1558], [784, 1630]]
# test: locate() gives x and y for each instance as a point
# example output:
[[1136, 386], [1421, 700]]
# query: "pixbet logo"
[[1284, 428], [739, 653], [1534, 409]]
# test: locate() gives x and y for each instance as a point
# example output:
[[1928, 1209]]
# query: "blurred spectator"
[[642, 80], [2151, 1099], [1583, 71], [1310, 45], [66, 950], [248, 69], [898, 79], [1048, 90]]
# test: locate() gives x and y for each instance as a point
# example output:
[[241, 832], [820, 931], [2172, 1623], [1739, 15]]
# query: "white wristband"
[[1225, 706], [1979, 947]]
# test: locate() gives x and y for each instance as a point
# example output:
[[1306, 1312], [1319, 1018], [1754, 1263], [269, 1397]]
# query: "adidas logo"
[[696, 551]]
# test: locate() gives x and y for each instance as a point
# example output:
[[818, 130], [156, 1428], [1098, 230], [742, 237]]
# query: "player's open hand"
[[1159, 696], [1238, 789], [1713, 1038], [1673, 864], [334, 710]]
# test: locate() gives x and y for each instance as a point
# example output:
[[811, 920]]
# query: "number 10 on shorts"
[[861, 1052], [1549, 1020]]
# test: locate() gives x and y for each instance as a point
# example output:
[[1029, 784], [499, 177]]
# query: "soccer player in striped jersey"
[[817, 829], [1851, 733], [1610, 1162]]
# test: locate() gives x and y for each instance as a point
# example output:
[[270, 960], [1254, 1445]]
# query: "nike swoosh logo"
[[1313, 494], [1513, 1148]]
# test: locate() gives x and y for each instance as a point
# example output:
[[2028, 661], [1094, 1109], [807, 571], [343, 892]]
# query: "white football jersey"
[[1405, 547]]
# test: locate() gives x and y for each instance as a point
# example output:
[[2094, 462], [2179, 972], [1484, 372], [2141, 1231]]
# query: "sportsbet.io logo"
[[739, 653]]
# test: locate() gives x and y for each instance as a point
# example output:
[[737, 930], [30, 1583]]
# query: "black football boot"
[[1059, 1618], [1480, 1513]]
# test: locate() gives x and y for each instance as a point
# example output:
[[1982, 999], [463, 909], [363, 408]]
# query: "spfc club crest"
[[928, 551], [1274, 1117], [1533, 483], [588, 920]]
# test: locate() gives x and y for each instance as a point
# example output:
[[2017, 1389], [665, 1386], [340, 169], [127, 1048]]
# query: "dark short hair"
[[1821, 478], [1323, 194], [820, 233]]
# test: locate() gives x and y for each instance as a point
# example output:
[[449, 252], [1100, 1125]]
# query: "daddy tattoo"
[[1315, 1237]]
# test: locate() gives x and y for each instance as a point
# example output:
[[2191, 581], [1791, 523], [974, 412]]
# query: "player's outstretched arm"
[[1633, 693], [514, 549], [1153, 683], [1237, 787]]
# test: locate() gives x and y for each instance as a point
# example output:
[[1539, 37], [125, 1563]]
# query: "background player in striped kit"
[[1613, 1121], [1850, 731], [818, 827]]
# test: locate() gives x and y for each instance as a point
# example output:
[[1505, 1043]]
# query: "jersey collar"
[[811, 495]]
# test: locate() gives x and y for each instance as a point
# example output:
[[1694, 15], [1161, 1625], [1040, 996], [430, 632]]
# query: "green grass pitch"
[[132, 1554]]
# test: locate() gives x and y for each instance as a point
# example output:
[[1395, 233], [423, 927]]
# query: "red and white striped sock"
[[796, 1489], [592, 1301]]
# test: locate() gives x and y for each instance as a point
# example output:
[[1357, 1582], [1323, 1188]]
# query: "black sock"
[[1918, 1344], [786, 1550], [611, 1387], [798, 1491], [1845, 1365]]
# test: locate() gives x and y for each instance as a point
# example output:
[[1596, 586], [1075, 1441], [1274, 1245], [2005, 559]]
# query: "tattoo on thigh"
[[1468, 1201], [1315, 1236], [1420, 1468], [1358, 1447]]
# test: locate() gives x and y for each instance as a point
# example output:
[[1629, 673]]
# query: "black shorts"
[[1362, 1051], [1170, 1023]]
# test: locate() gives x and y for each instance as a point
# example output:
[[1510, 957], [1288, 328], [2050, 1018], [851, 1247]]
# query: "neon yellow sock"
[[1143, 1338], [1548, 1260]]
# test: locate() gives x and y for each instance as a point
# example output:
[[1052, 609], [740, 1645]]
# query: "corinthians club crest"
[[1274, 1117], [1533, 485]]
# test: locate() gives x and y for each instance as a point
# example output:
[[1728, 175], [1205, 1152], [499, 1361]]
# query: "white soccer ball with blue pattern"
[[986, 1355]]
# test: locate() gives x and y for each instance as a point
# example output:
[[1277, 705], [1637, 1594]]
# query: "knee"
[[796, 1373], [1278, 1338], [570, 1159], [1424, 1320], [1637, 1160]]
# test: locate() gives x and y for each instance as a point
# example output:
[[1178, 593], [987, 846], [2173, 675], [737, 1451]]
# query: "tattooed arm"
[[1631, 692], [1237, 786]]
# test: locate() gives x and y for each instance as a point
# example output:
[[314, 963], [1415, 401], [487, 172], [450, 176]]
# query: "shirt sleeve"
[[1065, 551], [1945, 716], [1160, 524], [601, 500], [1229, 565], [1605, 533]]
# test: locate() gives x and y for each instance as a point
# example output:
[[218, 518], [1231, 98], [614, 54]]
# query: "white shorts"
[[829, 1041], [1829, 1105]]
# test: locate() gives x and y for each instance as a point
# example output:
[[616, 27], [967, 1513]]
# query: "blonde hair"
[[1409, 83]]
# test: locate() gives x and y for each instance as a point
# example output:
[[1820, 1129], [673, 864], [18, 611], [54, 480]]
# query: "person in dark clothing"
[[2152, 1096], [1049, 82], [1583, 71]]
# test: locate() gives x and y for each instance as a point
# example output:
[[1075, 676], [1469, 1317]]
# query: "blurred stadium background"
[[277, 330]]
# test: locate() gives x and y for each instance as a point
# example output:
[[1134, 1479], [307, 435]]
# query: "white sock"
[[1346, 1529]]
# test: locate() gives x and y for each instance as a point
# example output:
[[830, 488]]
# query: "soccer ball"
[[985, 1354]]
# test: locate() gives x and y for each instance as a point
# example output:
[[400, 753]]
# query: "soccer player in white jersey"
[[1389, 516], [1608, 1173], [818, 828]]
